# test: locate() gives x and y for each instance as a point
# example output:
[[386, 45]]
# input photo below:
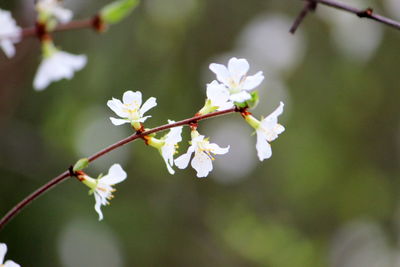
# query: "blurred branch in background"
[[311, 5]]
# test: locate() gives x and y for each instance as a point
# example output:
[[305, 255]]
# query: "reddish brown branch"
[[63, 176], [362, 13], [73, 25]]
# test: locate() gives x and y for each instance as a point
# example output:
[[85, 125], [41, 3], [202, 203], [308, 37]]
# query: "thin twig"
[[63, 176], [361, 13], [310, 5]]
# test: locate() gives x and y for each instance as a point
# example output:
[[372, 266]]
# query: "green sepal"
[[253, 101], [81, 164], [118, 10]]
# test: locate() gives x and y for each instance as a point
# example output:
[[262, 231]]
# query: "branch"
[[63, 176], [361, 13]]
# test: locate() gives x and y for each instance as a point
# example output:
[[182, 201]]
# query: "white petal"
[[168, 156], [117, 106], [240, 97], [216, 149], [3, 252], [10, 263], [143, 119], [62, 14], [202, 164], [238, 68], [58, 66], [130, 97], [183, 160], [115, 175], [150, 103], [263, 147], [272, 119], [7, 47], [174, 136], [222, 73], [118, 122], [97, 206], [219, 95], [252, 82]]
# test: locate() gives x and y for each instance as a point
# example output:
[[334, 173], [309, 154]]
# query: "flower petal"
[[115, 175], [253, 81], [240, 97], [222, 73], [62, 14], [219, 95], [183, 160], [3, 252], [131, 97], [264, 150], [150, 103], [216, 149], [272, 119], [10, 263], [117, 106], [7, 47], [118, 122], [97, 206], [238, 68], [202, 163]]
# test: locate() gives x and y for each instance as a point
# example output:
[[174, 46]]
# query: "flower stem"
[[63, 176]]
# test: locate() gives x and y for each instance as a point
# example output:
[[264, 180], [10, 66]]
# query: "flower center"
[[203, 147], [132, 109]]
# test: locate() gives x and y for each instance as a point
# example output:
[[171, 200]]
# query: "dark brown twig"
[[362, 13], [63, 176], [310, 5]]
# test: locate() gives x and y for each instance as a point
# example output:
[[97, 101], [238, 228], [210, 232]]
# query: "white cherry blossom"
[[169, 148], [131, 109], [267, 131], [235, 78], [102, 187], [48, 9], [204, 152], [56, 65], [3, 252], [10, 33]]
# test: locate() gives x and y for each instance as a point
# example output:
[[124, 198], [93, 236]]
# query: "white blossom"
[[169, 148], [10, 33], [53, 9], [267, 131], [235, 78], [3, 252], [102, 187], [130, 109], [56, 65], [203, 157]]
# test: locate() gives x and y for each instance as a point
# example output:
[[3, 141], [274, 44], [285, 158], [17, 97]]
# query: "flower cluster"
[[233, 87], [56, 64]]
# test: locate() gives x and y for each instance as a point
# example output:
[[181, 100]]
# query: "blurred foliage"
[[338, 160]]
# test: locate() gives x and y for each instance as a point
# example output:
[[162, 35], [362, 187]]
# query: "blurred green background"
[[327, 197]]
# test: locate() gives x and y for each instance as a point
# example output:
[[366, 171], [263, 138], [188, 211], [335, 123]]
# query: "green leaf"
[[118, 10]]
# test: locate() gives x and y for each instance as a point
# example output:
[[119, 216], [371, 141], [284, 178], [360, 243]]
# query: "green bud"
[[118, 10], [253, 101], [81, 164]]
